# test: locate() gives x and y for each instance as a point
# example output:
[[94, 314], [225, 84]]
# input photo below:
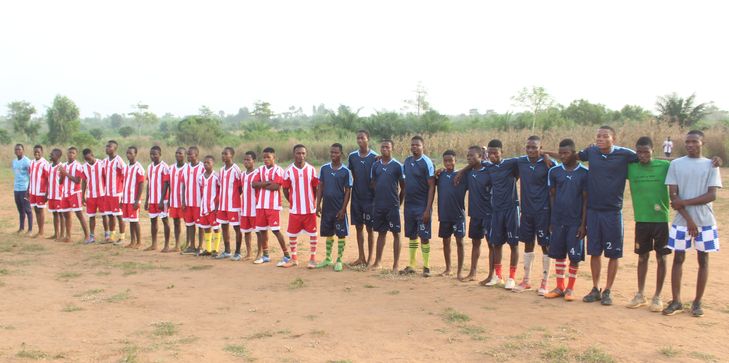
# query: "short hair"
[[606, 127], [392, 144], [269, 150], [133, 148], [38, 146], [297, 146], [449, 152], [194, 149], [113, 142], [180, 148], [19, 145], [252, 154], [496, 143], [230, 149], [567, 143], [477, 148], [698, 133], [338, 146], [419, 138], [363, 131], [644, 141], [73, 148], [56, 151], [534, 138], [86, 152], [155, 147], [209, 157]]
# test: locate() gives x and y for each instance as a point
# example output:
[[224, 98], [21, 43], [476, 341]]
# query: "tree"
[[199, 130], [19, 113], [262, 111], [432, 122], [420, 103], [97, 133], [535, 100], [344, 120], [116, 120], [142, 116], [583, 112], [673, 108], [126, 131], [62, 118]]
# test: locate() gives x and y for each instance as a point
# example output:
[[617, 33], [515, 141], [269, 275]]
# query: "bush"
[[199, 130], [126, 131], [83, 140], [5, 137], [97, 133]]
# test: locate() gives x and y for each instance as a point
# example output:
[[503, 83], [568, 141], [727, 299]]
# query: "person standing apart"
[[21, 171]]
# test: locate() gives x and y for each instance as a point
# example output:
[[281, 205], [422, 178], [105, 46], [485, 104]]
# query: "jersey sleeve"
[[671, 177], [551, 178], [431, 168], [140, 175], [314, 178], [285, 181], [166, 174], [350, 179], [715, 178], [278, 176], [583, 154]]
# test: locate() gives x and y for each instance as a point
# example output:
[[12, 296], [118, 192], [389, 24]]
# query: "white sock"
[[528, 259], [545, 266]]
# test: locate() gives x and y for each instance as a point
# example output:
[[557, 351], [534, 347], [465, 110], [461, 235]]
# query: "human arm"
[[343, 212], [429, 204], [582, 229], [693, 230], [678, 203], [402, 190]]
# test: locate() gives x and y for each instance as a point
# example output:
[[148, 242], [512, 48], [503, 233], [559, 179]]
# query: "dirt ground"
[[75, 303]]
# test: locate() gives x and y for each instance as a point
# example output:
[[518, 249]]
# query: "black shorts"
[[651, 236], [479, 228], [447, 229], [534, 226], [361, 212], [505, 227], [386, 220], [329, 225]]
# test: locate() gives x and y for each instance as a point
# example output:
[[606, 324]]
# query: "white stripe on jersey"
[[229, 184], [208, 187], [157, 174], [38, 177], [269, 199], [55, 189], [177, 178], [73, 169], [94, 179], [114, 169], [132, 174], [248, 196], [301, 188], [192, 174]]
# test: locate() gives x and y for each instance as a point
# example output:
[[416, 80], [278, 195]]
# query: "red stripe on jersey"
[[269, 199], [38, 177], [177, 179], [73, 169], [248, 196], [157, 175], [55, 188], [301, 184], [94, 179], [114, 173], [208, 188], [133, 174], [192, 194], [229, 189]]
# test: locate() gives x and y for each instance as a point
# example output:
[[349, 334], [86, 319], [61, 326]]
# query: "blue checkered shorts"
[[707, 240]]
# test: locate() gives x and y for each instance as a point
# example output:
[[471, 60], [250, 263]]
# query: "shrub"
[[126, 131]]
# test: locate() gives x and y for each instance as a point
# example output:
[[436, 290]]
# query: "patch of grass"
[[268, 334], [393, 292], [103, 273], [296, 284], [706, 357], [237, 350], [164, 329], [129, 354], [32, 248], [669, 351], [33, 354], [67, 275], [71, 308], [7, 327], [4, 271], [131, 267], [89, 292], [122, 296], [318, 333], [594, 355], [369, 286], [340, 361], [559, 354], [475, 332], [451, 315], [200, 267]]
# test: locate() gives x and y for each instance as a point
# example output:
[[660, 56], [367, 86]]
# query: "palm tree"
[[673, 108]]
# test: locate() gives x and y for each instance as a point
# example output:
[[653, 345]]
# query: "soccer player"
[[419, 176], [693, 182], [534, 223], [71, 175], [114, 183], [389, 186], [209, 185], [55, 194], [92, 191], [651, 209], [191, 198], [300, 182], [360, 163], [174, 189], [248, 205], [478, 184], [131, 193], [332, 197], [567, 185], [38, 187], [155, 202], [451, 211], [267, 183], [228, 213], [21, 168]]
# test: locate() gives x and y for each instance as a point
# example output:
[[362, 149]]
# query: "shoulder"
[[623, 150]]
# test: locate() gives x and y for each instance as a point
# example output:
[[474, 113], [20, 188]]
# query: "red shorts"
[[228, 217], [54, 205], [301, 223], [247, 224], [94, 205], [129, 214], [37, 201], [208, 221], [191, 215], [111, 205], [175, 213], [155, 212], [267, 219], [72, 203]]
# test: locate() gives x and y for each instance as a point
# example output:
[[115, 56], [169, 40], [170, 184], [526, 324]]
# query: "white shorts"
[[680, 240]]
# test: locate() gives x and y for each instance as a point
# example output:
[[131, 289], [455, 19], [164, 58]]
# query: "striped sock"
[[330, 242], [312, 247], [425, 248], [292, 247], [559, 267], [528, 259], [340, 249], [572, 278], [545, 266], [413, 249], [497, 270], [512, 272]]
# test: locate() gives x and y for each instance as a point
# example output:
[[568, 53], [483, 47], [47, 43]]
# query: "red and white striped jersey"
[[38, 183], [157, 176], [248, 196], [55, 188], [191, 175], [208, 188], [229, 189], [177, 180], [133, 174], [301, 184], [269, 199], [95, 179], [113, 169], [73, 169]]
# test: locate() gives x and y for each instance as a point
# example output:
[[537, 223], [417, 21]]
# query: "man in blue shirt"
[[419, 175], [389, 186], [451, 211], [21, 172], [360, 165], [335, 189], [478, 183]]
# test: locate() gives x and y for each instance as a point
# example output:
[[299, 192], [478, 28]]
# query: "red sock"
[[512, 272], [572, 278], [292, 246], [497, 269], [559, 267]]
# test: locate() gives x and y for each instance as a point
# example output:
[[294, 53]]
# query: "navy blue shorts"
[[414, 226], [605, 233], [564, 243], [361, 212], [330, 226], [384, 220], [479, 228], [505, 227], [455, 228], [533, 226]]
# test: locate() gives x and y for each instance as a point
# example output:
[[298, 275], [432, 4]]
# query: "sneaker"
[[638, 301], [426, 272], [656, 304], [593, 296], [696, 310], [264, 259], [326, 263], [523, 286], [407, 271], [236, 257], [89, 240], [510, 284], [204, 253], [338, 266], [223, 255], [606, 299], [542, 288], [495, 281], [673, 308], [569, 295], [311, 265], [214, 254], [554, 294], [292, 263], [190, 251], [284, 260]]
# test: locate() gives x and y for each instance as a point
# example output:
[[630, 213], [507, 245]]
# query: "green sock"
[[330, 242], [265, 253], [340, 249], [425, 247], [413, 250]]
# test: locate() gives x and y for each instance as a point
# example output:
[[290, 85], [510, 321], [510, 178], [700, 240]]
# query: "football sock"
[[340, 249], [293, 247], [572, 277], [425, 248], [559, 267], [528, 259], [545, 266], [329, 242], [413, 249]]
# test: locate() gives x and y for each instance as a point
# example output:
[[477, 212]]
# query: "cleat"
[[569, 295], [523, 286], [696, 310], [495, 281], [284, 260], [326, 263], [338, 266], [223, 256], [291, 263], [606, 299], [262, 260], [510, 284], [235, 257], [189, 251], [656, 304], [673, 308], [90, 240], [554, 294], [407, 271], [311, 265], [637, 301], [426, 272], [542, 288], [593, 296]]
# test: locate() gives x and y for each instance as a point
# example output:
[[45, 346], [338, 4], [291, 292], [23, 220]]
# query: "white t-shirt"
[[694, 176], [667, 146]]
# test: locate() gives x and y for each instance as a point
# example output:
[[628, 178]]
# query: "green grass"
[[200, 267], [164, 329], [669, 351], [475, 332], [33, 354], [594, 355], [32, 248], [237, 350], [296, 284], [129, 354], [4, 271], [89, 293], [340, 361], [67, 275], [393, 292], [369, 286], [318, 333], [706, 357], [71, 308], [122, 296], [559, 354], [131, 267], [450, 315]]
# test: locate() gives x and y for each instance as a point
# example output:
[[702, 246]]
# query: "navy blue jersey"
[[335, 183], [503, 184], [569, 186], [361, 169], [533, 185], [386, 179], [416, 173], [608, 173], [479, 191], [451, 207]]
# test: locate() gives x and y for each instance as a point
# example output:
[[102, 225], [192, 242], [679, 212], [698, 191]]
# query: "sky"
[[176, 56]]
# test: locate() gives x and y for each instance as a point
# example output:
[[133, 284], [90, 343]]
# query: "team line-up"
[[562, 203]]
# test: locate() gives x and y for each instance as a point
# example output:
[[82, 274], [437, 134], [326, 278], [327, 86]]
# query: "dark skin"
[[134, 228], [180, 161], [192, 158], [474, 158], [693, 144], [534, 152], [111, 153], [227, 158], [364, 149], [154, 156], [71, 155], [417, 149], [449, 163], [208, 164], [335, 154], [299, 162], [40, 216], [249, 164], [386, 153], [91, 160], [269, 160], [59, 226]]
